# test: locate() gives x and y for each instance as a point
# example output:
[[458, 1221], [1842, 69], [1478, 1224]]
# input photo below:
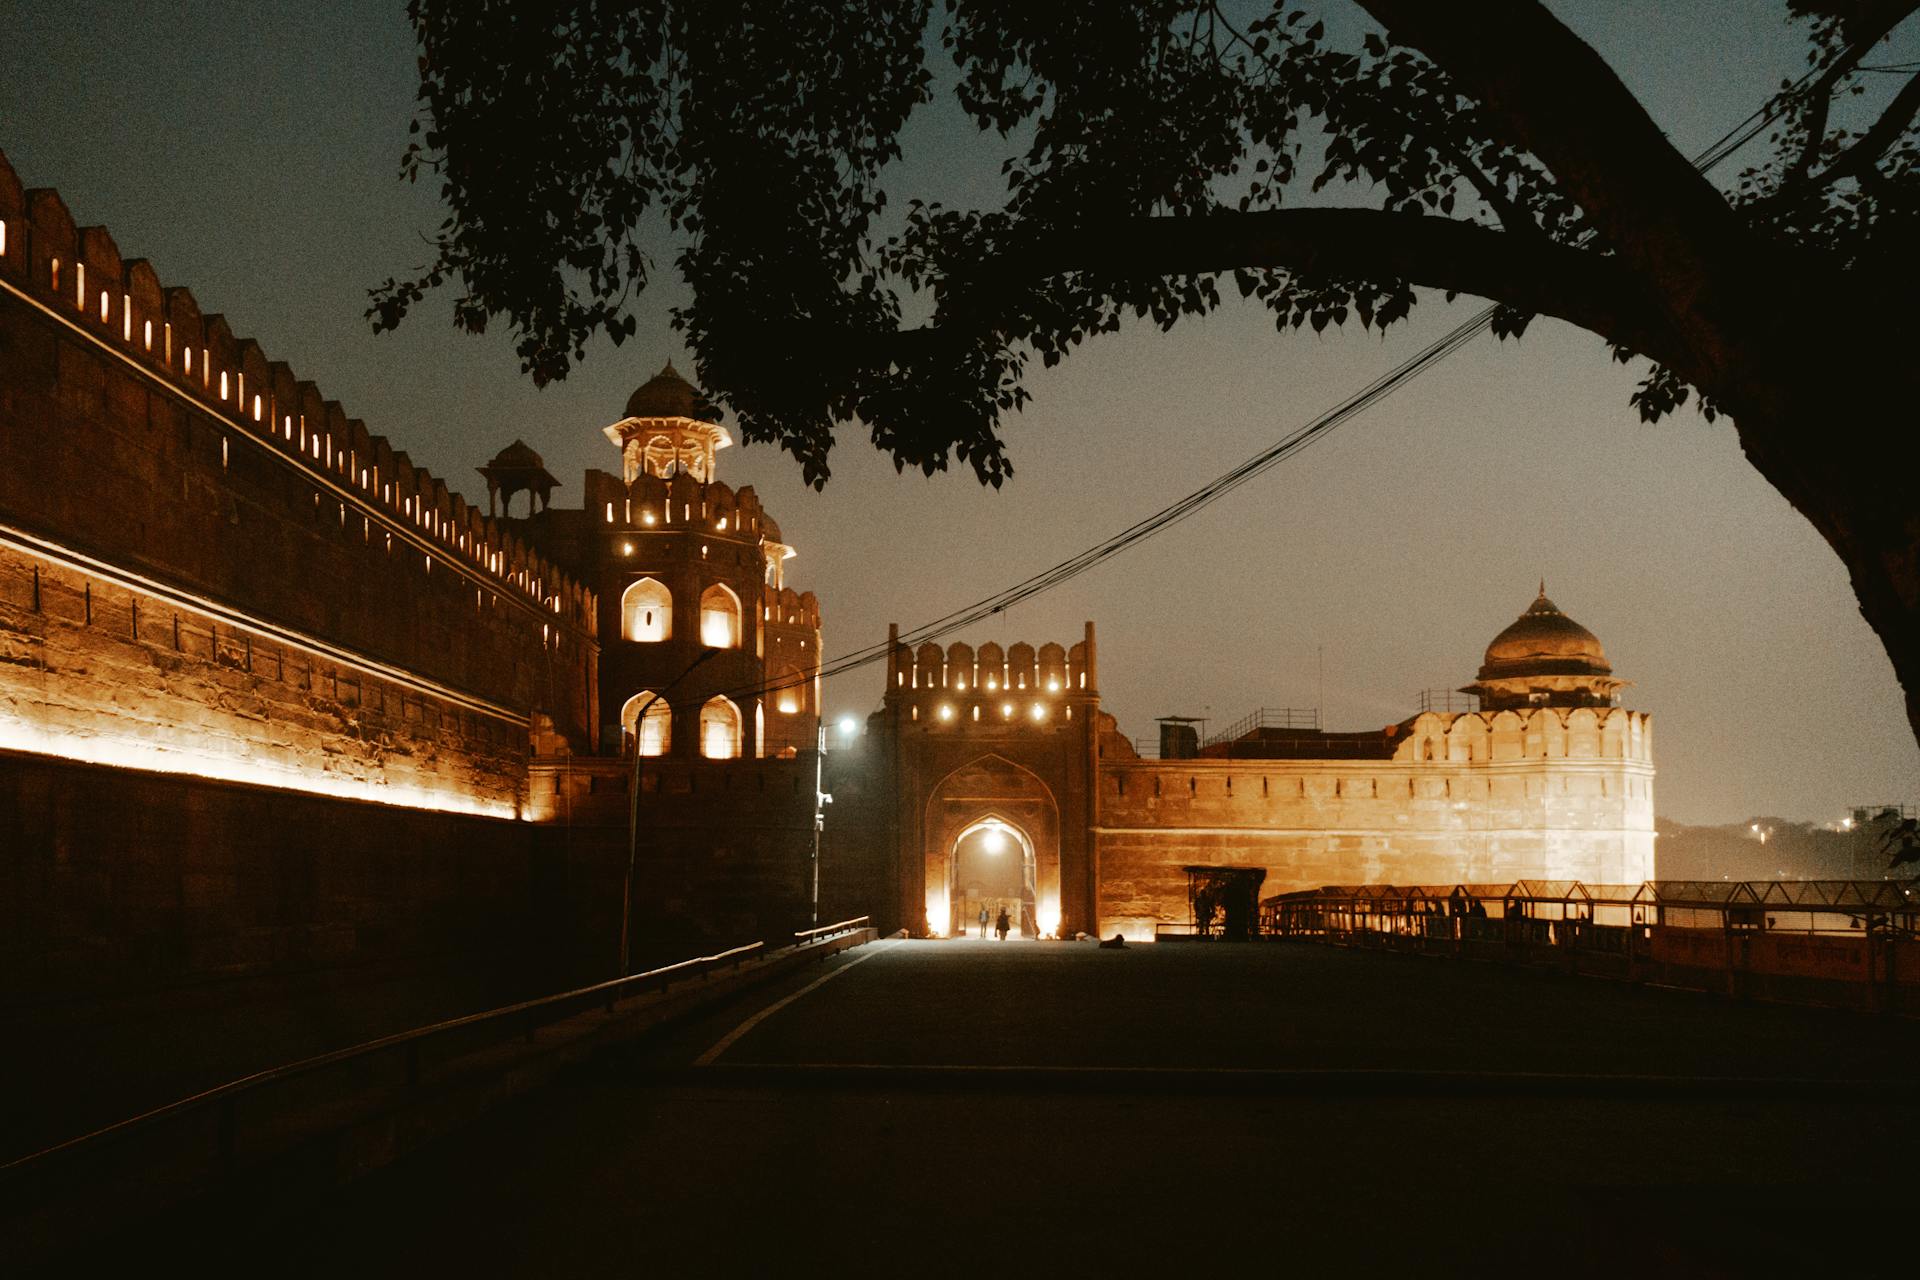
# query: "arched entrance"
[[990, 799], [994, 870]]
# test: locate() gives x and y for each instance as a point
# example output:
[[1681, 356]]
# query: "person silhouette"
[[983, 920], [1002, 924]]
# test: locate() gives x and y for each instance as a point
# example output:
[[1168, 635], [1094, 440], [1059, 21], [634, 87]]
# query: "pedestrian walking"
[[983, 921], [1002, 924]]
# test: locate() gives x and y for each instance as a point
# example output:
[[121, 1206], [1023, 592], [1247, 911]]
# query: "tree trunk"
[[1846, 460]]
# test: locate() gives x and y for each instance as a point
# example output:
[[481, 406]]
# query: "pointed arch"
[[990, 788], [719, 617], [720, 728], [646, 612], [653, 735]]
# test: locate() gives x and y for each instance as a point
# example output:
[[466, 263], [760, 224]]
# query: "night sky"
[[251, 151]]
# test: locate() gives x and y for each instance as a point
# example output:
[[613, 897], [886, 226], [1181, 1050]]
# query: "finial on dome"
[[1543, 580]]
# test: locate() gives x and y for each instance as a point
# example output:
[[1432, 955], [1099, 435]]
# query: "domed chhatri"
[[668, 395], [668, 428], [1545, 658], [517, 469]]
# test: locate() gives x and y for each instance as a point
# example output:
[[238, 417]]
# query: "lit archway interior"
[[993, 868], [719, 729], [646, 612], [719, 618], [655, 734]]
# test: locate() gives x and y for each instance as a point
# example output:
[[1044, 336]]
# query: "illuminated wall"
[[1544, 794], [1017, 735], [206, 567], [101, 669]]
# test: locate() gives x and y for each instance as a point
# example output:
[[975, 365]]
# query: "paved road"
[[952, 1107]]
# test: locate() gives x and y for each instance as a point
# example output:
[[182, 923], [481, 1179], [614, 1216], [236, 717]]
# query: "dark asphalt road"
[[817, 1140]]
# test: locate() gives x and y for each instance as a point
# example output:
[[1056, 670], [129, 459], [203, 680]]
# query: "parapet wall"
[[1545, 794], [1019, 668], [151, 462], [146, 428], [1536, 733]]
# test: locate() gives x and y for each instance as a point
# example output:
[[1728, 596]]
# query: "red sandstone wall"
[[119, 882], [724, 855], [135, 430], [1310, 823]]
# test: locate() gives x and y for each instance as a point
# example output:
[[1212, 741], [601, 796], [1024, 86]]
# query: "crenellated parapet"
[[1529, 733], [785, 607], [680, 501], [957, 684], [78, 275]]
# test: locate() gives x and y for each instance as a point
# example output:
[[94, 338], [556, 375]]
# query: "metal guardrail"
[[1850, 943], [1267, 718], [801, 937], [525, 1018]]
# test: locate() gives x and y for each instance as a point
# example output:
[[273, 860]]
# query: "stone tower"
[[704, 650]]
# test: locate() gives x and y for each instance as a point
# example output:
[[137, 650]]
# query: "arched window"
[[719, 618], [719, 729], [655, 733], [759, 727], [646, 611]]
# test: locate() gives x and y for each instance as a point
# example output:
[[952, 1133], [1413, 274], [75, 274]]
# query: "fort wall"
[[1544, 794], [200, 554], [120, 882], [724, 849]]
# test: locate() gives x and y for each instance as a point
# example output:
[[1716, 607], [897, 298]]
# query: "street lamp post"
[[633, 807], [819, 812]]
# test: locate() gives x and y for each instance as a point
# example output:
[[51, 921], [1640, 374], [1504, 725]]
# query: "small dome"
[[518, 455], [1546, 641], [668, 395]]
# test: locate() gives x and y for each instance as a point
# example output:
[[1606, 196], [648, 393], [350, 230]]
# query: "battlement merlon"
[[1019, 668], [77, 275]]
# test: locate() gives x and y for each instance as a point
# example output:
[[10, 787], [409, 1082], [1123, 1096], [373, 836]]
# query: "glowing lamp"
[[1039, 711], [994, 840], [626, 548], [1053, 686], [946, 711], [646, 517], [1006, 710], [847, 725]]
